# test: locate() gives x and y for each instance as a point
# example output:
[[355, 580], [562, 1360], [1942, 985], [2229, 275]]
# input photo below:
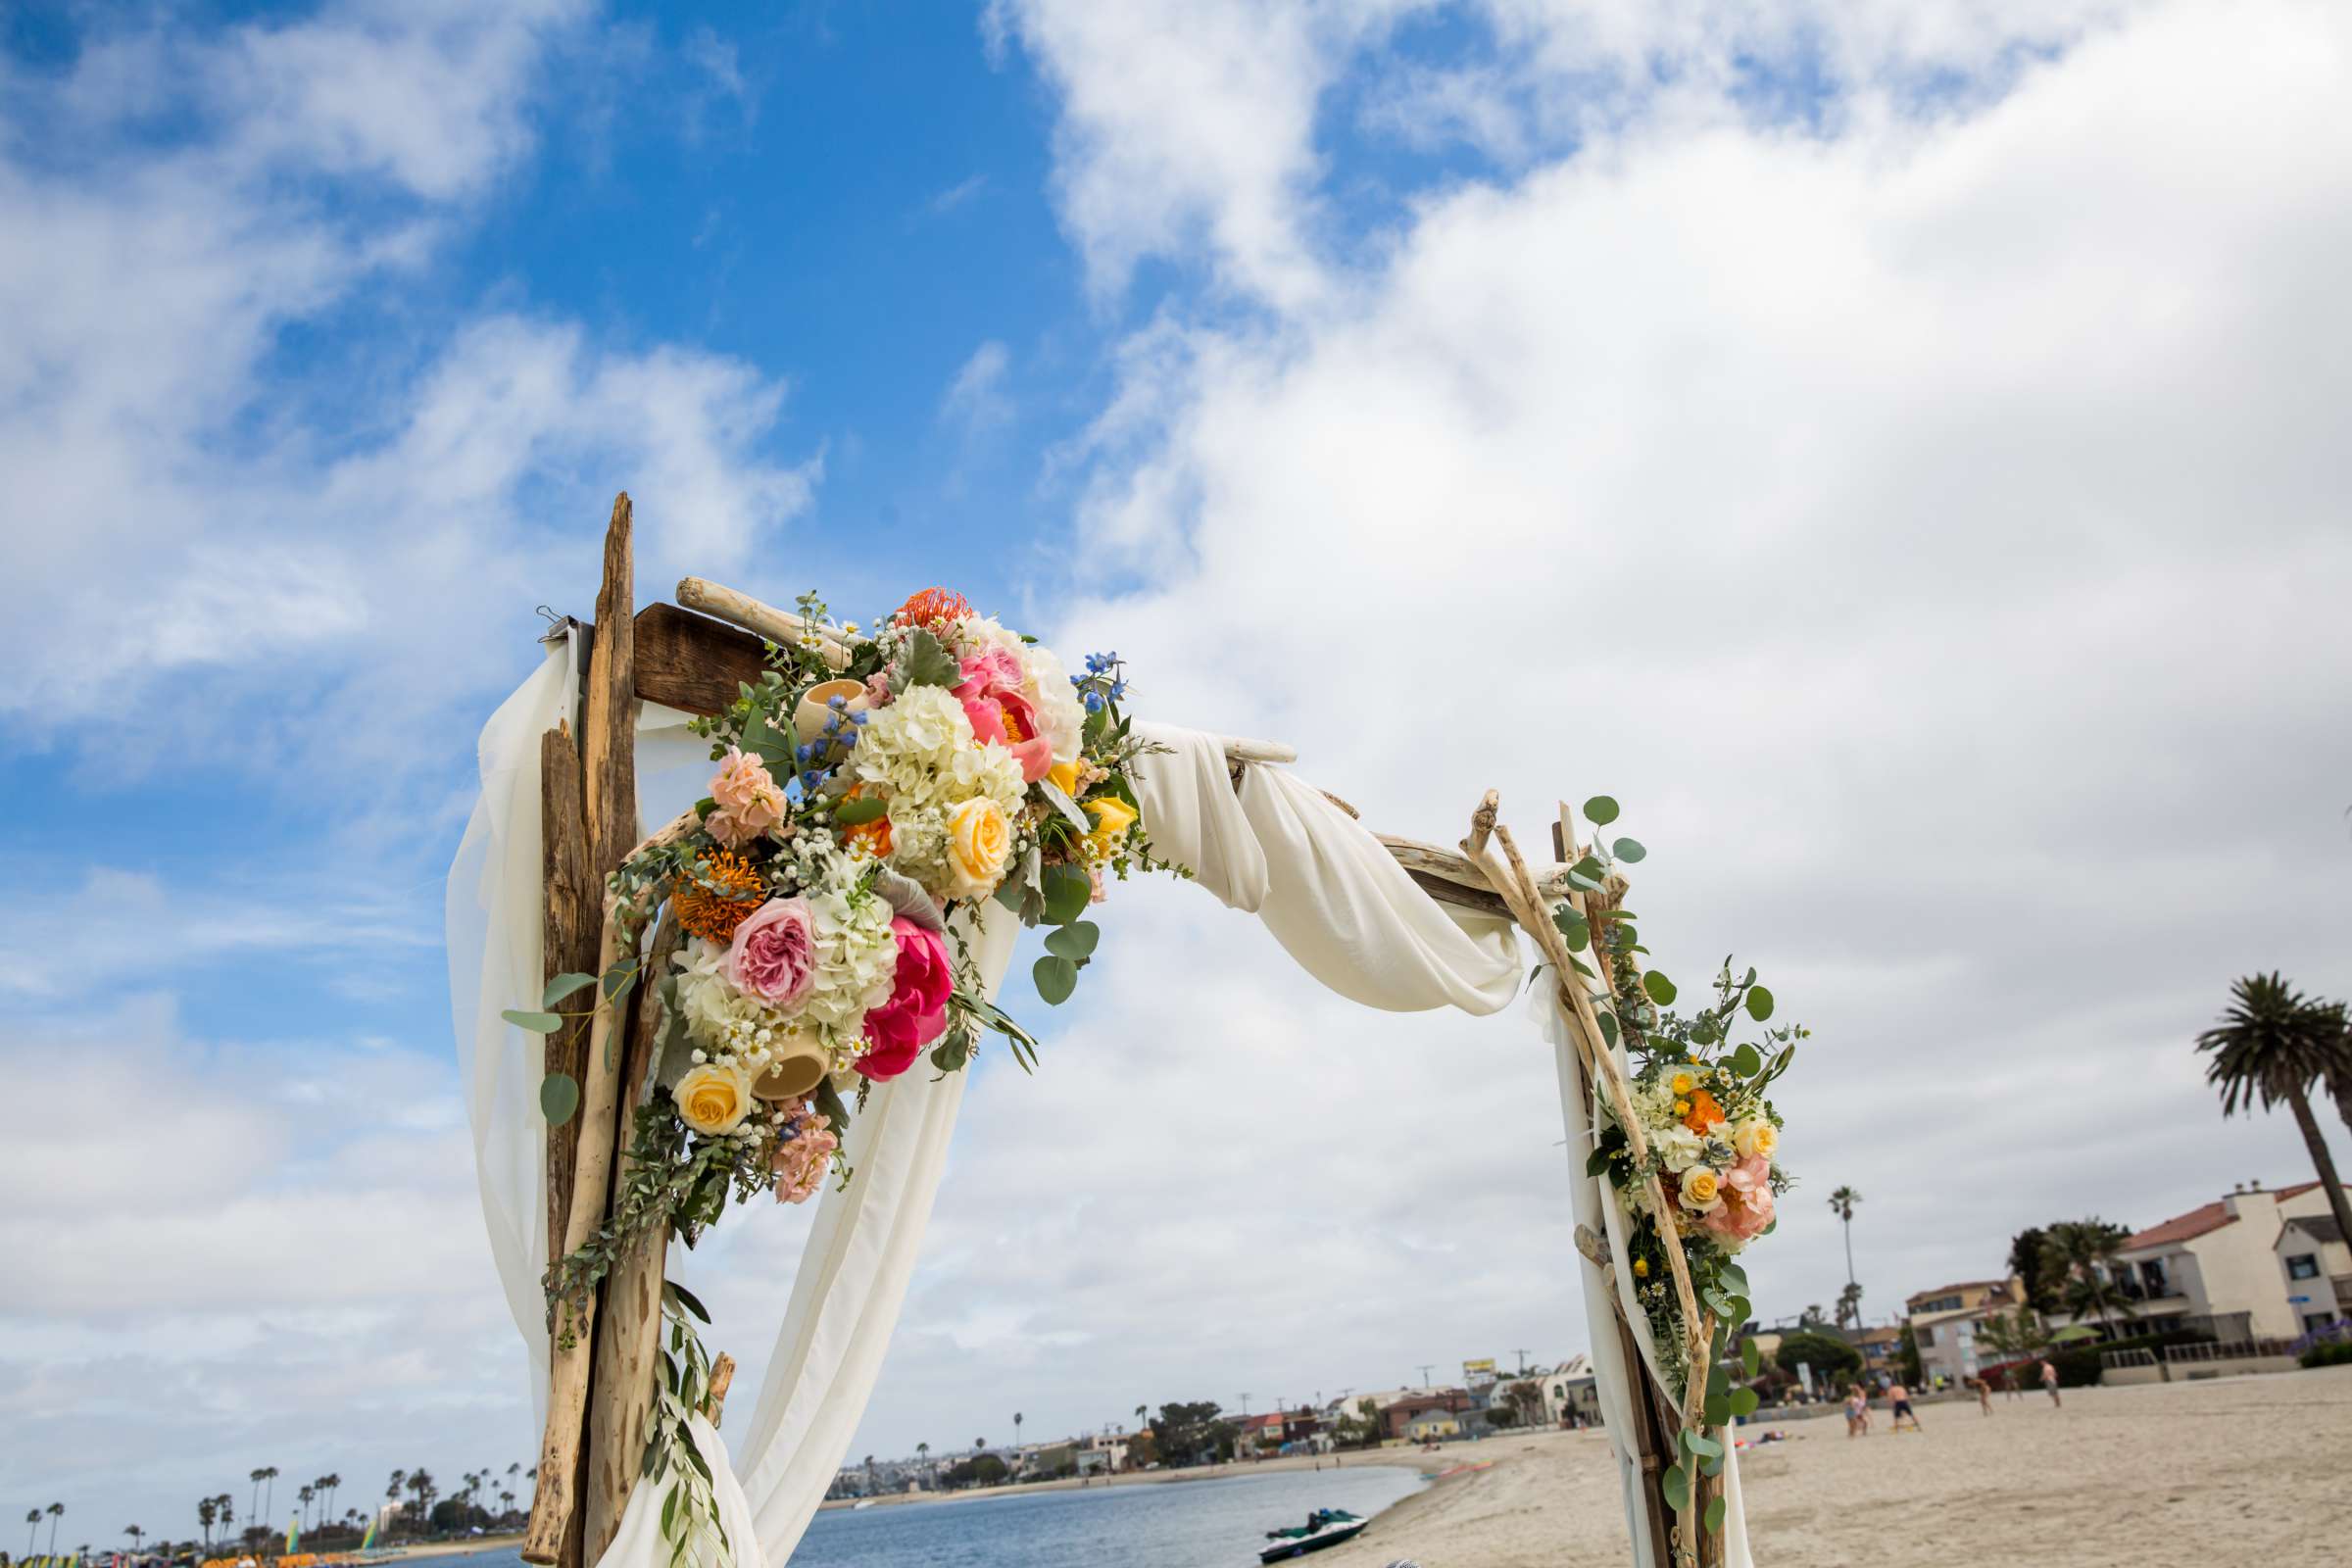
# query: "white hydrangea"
[[921, 752], [717, 1013], [857, 963]]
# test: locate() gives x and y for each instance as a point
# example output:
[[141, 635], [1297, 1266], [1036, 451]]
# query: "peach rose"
[[713, 1098], [979, 841]]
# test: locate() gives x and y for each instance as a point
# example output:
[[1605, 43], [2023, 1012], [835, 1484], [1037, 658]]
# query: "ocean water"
[[1218, 1523]]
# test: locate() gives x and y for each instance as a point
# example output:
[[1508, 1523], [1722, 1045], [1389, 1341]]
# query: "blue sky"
[[1891, 448]]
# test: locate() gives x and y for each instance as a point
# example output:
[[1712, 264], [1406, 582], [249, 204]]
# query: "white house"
[[2316, 1268], [2218, 1268]]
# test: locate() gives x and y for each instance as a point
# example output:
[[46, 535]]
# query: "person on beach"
[[1857, 1411], [1900, 1397], [1983, 1394], [2049, 1380]]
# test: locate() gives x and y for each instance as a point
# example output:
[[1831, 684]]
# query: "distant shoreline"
[[1364, 1458]]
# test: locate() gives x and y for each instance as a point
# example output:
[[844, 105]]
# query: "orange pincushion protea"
[[1704, 1112], [721, 893], [933, 607]]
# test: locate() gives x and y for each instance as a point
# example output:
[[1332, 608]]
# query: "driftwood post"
[[628, 1330], [608, 794]]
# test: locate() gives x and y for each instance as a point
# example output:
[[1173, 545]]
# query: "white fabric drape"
[[1324, 886], [1617, 1383]]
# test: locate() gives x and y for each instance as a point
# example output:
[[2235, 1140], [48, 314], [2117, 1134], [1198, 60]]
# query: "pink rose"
[[877, 690], [749, 802], [916, 1012], [774, 955], [1748, 1204], [1750, 1176], [992, 668]]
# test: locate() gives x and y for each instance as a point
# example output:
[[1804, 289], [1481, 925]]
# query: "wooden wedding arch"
[[691, 655]]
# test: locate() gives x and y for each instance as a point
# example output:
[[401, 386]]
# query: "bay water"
[[1209, 1523]]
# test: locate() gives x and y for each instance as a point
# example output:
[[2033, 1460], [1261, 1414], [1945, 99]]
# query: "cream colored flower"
[[979, 839], [713, 1098], [1756, 1135], [1702, 1189], [1679, 1147]]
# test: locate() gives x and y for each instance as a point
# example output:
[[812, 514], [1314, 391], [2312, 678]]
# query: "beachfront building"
[[1881, 1348], [2316, 1266], [2216, 1270], [1398, 1417], [1944, 1324]]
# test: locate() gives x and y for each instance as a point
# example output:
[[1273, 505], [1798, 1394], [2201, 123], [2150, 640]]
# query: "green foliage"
[[2328, 1353], [559, 1098], [1055, 979], [1601, 811], [538, 1023], [926, 663], [1828, 1357]]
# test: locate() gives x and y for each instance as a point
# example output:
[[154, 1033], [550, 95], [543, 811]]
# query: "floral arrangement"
[[1708, 1133], [872, 790]]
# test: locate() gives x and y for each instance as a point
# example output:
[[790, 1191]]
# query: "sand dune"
[[2230, 1473]]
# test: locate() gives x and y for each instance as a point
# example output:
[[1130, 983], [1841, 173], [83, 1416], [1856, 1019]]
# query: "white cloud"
[[976, 399], [1920, 523]]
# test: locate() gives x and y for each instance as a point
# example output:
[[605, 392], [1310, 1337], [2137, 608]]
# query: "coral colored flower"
[[993, 698], [773, 954], [916, 1012], [1704, 1112], [931, 607]]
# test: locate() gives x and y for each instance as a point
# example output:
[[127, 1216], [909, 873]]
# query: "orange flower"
[[874, 835], [720, 894], [931, 606], [1704, 1112]]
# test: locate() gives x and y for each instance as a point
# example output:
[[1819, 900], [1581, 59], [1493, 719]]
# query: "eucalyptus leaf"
[[1628, 849], [559, 1098], [1751, 1356], [1601, 811], [562, 986], [1075, 941], [1759, 1003], [1744, 1401], [1055, 979], [1704, 1447], [1718, 1409], [1712, 1519], [1068, 891], [1676, 1485], [1745, 1061], [538, 1023], [1660, 989]]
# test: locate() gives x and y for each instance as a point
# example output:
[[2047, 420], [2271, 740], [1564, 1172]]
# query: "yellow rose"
[[1680, 1084], [1112, 818], [713, 1099], [979, 838], [1702, 1188], [1064, 776], [1757, 1137]]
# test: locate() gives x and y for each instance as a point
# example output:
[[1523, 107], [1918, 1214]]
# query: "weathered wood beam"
[[608, 795], [629, 1327], [692, 663], [568, 937]]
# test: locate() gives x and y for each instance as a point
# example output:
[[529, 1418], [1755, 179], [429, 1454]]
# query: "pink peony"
[[992, 699], [1750, 1176], [916, 1012], [1746, 1202], [877, 690], [774, 955], [749, 802]]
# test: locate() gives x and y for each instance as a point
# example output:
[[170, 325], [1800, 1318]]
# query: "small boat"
[[1325, 1527]]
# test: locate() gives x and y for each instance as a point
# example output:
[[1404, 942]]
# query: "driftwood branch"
[[776, 625], [567, 942], [722, 1376]]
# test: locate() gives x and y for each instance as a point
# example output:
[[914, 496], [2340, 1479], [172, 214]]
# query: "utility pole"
[[1522, 1356], [1425, 1371], [1244, 1403]]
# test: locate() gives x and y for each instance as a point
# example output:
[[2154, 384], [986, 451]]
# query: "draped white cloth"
[[1326, 888]]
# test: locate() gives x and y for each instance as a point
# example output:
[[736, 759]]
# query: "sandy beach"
[[2218, 1474]]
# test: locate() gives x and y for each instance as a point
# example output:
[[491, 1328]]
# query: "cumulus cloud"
[[1913, 518]]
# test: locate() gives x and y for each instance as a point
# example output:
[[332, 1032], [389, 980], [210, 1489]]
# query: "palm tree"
[[420, 1482], [1842, 1203], [2084, 1251], [1141, 1416], [224, 1509], [2271, 1045], [253, 1504], [306, 1496], [57, 1511], [1849, 1305], [2013, 1335], [135, 1534], [205, 1514], [392, 1496], [922, 1452], [1016, 1415], [33, 1520]]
